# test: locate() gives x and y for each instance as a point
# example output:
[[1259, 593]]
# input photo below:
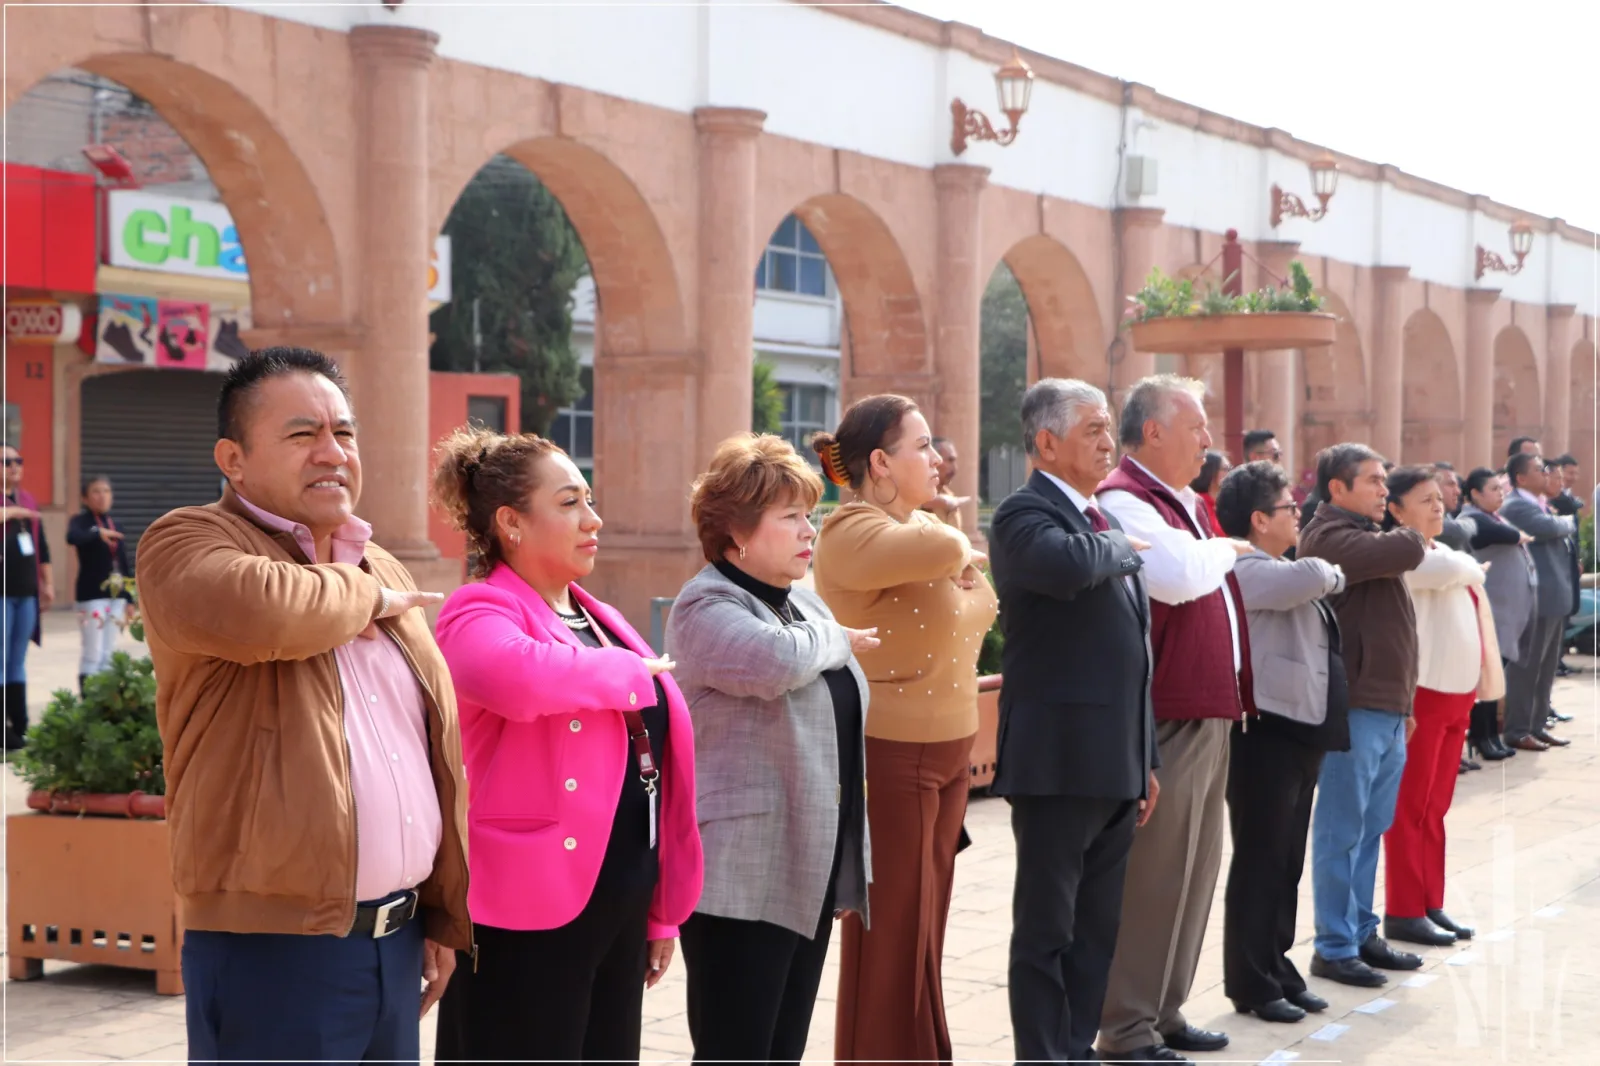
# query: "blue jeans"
[[269, 997], [16, 630], [1356, 793]]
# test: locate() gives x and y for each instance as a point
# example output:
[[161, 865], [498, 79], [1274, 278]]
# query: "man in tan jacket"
[[315, 793]]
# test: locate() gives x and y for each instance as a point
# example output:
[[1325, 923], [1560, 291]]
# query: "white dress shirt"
[[1179, 567]]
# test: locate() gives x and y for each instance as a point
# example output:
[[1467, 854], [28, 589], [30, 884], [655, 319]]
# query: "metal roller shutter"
[[152, 432]]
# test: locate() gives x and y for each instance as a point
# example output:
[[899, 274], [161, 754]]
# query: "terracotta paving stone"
[[1524, 866]]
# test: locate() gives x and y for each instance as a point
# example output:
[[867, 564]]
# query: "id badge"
[[653, 794], [25, 543]]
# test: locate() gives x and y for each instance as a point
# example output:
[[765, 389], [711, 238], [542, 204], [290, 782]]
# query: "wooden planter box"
[[1264, 331], [92, 889], [986, 745]]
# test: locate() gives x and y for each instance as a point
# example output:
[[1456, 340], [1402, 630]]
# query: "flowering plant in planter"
[[105, 742], [1167, 297]]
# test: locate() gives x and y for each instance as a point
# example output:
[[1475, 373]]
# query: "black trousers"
[[1072, 854], [1271, 780], [752, 986], [570, 994]]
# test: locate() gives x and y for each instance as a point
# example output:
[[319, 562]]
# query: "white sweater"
[[1449, 646]]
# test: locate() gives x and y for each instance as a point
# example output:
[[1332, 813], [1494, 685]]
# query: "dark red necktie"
[[1096, 520]]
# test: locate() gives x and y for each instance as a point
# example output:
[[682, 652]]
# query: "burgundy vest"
[[1194, 676]]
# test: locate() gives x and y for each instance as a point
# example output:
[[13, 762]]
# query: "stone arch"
[[1336, 406], [1581, 433], [1518, 410], [1431, 408], [1063, 311], [295, 275]]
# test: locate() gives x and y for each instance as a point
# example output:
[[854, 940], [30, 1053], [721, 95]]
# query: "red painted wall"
[[447, 410], [48, 225], [30, 372]]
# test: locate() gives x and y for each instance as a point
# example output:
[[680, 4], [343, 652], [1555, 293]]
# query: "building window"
[[805, 412], [487, 411], [793, 261], [573, 428]]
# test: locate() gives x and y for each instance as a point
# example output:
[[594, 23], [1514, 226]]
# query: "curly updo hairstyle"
[[870, 423], [1402, 479], [748, 474], [479, 472]]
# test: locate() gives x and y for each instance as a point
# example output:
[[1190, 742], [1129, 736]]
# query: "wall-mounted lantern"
[[1324, 181], [1014, 86], [1521, 245]]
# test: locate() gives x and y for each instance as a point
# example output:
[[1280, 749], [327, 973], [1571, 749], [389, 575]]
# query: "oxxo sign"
[[42, 322], [198, 237]]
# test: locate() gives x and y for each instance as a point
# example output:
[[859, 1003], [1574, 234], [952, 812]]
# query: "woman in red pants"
[[1451, 668]]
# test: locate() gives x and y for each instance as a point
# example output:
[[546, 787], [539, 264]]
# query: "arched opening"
[[1431, 411], [1335, 379], [1517, 408], [1582, 440]]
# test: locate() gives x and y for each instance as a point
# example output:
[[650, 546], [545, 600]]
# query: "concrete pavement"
[[1524, 867]]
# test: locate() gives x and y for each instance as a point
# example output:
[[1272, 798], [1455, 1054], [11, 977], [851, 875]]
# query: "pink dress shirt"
[[398, 821], [545, 745]]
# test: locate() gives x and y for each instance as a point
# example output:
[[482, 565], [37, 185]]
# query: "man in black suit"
[[1077, 749]]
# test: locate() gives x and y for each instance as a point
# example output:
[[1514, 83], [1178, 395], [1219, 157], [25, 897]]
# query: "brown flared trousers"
[[891, 996]]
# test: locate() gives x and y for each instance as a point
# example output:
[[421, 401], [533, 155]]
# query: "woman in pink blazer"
[[582, 836]]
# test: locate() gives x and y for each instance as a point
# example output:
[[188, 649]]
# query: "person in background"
[[1458, 663], [315, 790], [1077, 752], [1357, 789], [1262, 445], [779, 705], [1562, 500], [1510, 584], [1563, 503], [947, 505], [883, 563], [1205, 485], [1531, 677], [585, 849], [1522, 446], [29, 590], [1201, 676], [102, 552], [1300, 694]]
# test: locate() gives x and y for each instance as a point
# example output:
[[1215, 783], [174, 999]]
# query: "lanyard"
[[638, 735]]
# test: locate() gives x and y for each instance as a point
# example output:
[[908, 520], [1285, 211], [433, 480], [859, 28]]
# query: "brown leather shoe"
[[1550, 740], [1530, 744]]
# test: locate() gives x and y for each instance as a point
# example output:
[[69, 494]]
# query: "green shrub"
[[105, 742], [1586, 545], [989, 654]]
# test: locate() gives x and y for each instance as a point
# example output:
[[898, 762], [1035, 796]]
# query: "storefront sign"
[[42, 322], [198, 238], [173, 334]]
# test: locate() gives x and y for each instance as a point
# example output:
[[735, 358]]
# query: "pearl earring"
[[741, 551]]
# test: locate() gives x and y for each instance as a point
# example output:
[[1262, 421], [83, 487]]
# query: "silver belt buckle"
[[380, 920]]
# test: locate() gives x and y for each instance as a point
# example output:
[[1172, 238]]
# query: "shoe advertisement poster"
[[169, 334]]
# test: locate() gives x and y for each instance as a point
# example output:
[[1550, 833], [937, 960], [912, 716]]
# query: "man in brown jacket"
[[315, 788], [1357, 789]]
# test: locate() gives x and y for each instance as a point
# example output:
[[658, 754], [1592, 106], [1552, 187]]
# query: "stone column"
[[1558, 379], [1137, 227], [958, 296], [727, 271], [1277, 376], [389, 374], [1387, 375], [1477, 386]]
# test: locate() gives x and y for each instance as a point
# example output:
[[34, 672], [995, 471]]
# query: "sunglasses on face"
[[10, 461]]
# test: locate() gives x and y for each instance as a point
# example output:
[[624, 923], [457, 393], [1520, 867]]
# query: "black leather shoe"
[[1416, 931], [1279, 1010], [1347, 972], [1443, 921], [1376, 952], [1308, 1001], [1550, 739], [1493, 749], [1558, 716], [1190, 1038], [1153, 1053]]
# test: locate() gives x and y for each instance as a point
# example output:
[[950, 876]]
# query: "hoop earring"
[[516, 540], [872, 483]]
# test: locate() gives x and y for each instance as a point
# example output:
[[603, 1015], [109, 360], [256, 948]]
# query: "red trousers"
[[1413, 848]]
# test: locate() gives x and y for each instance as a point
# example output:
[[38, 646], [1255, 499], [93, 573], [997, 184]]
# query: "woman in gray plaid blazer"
[[779, 707]]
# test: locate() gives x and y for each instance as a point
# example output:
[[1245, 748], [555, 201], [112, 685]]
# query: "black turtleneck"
[[847, 717]]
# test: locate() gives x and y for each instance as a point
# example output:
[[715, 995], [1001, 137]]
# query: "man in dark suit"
[[1529, 680], [1077, 749]]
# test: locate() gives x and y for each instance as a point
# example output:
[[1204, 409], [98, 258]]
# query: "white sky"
[[1497, 99]]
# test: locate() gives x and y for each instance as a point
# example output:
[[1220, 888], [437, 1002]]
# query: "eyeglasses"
[[13, 461], [1283, 507]]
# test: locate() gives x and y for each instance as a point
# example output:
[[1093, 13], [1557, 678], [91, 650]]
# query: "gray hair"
[[1154, 398], [1055, 404]]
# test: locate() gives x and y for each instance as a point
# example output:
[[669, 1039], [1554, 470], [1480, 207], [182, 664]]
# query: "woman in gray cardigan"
[[779, 707], [1300, 698]]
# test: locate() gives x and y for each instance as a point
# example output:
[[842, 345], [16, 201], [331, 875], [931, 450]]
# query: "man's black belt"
[[388, 916]]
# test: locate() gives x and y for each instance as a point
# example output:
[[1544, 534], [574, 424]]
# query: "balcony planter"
[[986, 745], [1247, 331], [125, 804]]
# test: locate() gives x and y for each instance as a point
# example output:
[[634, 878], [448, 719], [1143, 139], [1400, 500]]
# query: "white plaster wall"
[[797, 320]]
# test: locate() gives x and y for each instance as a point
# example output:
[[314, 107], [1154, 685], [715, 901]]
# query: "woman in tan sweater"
[[882, 562]]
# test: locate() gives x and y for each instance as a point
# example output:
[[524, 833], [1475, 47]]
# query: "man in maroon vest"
[[1200, 647]]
